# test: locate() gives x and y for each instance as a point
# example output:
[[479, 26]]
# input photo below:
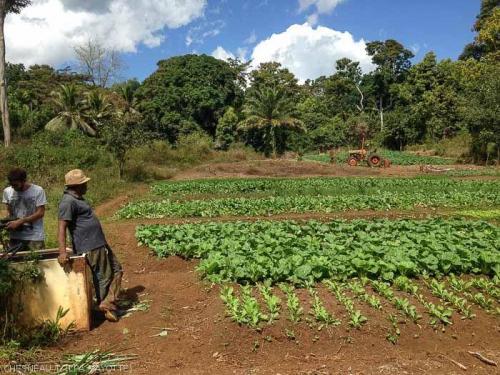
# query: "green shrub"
[[48, 156]]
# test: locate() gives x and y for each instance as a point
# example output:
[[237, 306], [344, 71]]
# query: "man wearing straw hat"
[[76, 215]]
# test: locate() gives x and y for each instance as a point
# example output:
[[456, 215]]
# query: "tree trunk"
[[361, 106], [3, 88], [273, 141], [381, 111], [121, 168]]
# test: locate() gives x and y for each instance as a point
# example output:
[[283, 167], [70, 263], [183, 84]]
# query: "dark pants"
[[27, 244], [106, 274]]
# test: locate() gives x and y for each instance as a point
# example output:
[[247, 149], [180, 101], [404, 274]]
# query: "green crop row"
[[260, 306], [396, 158], [490, 171], [312, 251], [318, 186], [303, 204]]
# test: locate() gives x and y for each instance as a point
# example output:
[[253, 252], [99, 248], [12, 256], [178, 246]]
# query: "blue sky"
[[443, 26], [146, 31]]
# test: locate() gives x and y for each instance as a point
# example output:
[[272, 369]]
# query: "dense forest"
[[400, 103]]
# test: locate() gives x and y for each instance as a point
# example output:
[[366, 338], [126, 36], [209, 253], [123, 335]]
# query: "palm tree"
[[270, 109], [6, 6], [127, 94], [70, 112], [96, 108]]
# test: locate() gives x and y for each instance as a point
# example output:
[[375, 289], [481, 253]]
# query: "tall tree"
[[392, 61], [188, 93], [342, 90], [70, 112], [6, 6], [100, 64], [480, 107], [479, 48], [269, 110], [273, 74], [426, 104], [226, 129]]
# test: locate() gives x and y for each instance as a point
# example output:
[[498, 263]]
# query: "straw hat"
[[75, 177]]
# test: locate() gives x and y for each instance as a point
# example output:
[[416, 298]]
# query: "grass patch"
[[481, 214]]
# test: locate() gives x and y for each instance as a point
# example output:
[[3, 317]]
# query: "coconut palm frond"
[[253, 122], [292, 123], [270, 108]]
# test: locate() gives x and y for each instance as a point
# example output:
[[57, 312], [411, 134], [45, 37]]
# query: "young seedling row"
[[257, 307], [356, 318], [482, 299]]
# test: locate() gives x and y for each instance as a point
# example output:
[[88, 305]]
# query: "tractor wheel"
[[374, 160], [352, 161]]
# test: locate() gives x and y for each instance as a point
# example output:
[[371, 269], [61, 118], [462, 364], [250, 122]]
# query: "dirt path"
[[202, 340]]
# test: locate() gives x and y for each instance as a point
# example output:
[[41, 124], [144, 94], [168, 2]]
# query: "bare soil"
[[204, 341], [292, 168], [201, 340]]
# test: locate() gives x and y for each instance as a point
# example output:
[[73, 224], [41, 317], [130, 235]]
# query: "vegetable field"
[[330, 273], [396, 158], [307, 252], [212, 198]]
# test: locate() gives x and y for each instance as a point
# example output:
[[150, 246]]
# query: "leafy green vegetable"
[[275, 196], [301, 252]]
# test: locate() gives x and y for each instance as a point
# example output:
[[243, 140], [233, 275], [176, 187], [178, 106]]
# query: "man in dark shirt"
[[76, 215]]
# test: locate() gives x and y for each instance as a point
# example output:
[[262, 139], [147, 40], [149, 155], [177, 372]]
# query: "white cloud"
[[313, 19], [311, 52], [198, 34], [242, 53], [46, 31], [252, 38], [322, 6], [95, 6], [221, 54]]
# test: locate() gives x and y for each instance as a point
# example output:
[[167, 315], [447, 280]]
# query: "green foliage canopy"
[[188, 93]]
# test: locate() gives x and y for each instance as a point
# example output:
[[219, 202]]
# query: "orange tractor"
[[371, 157]]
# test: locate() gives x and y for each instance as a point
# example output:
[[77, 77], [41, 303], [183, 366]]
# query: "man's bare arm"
[[61, 236], [61, 239], [38, 214]]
